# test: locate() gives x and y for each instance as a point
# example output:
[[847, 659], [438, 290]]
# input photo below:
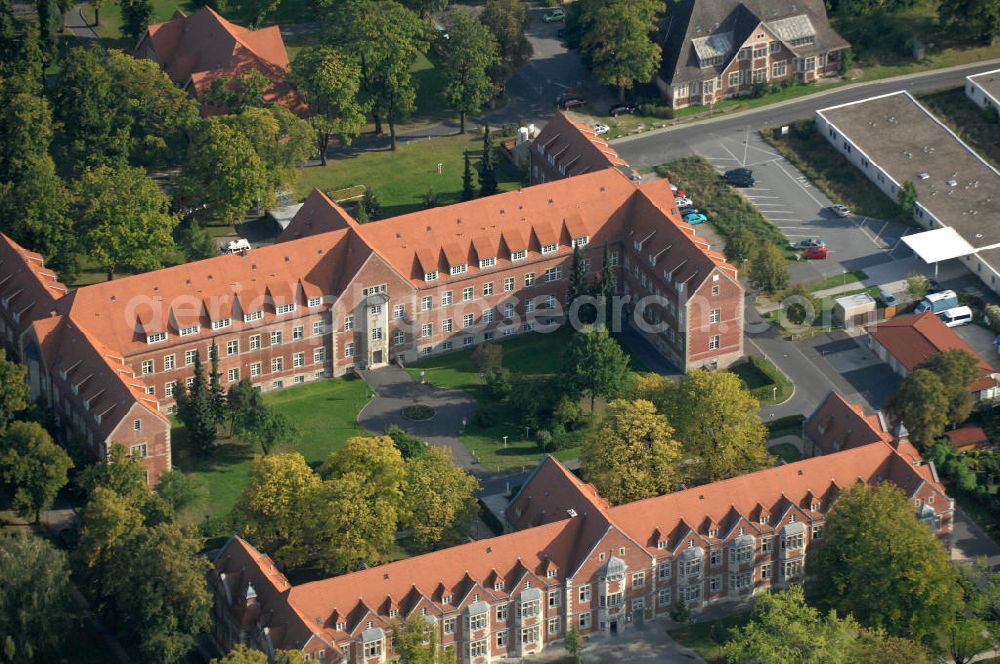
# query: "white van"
[[956, 316]]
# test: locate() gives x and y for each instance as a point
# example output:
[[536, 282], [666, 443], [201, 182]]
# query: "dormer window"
[[581, 241], [498, 585], [222, 323], [459, 269], [341, 626], [446, 599], [815, 507], [764, 519], [551, 573], [315, 301], [487, 262], [393, 613], [518, 255], [253, 316], [791, 518], [662, 544], [431, 276], [156, 337], [714, 532], [189, 330], [550, 248], [285, 308]]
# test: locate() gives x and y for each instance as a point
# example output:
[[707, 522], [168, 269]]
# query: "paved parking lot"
[[981, 341], [786, 198]]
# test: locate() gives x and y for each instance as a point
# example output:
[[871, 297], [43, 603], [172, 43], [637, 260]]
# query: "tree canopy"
[[507, 19], [330, 82], [595, 364], [469, 55], [617, 38], [34, 466], [633, 455], [13, 389], [957, 369], [768, 269], [922, 405], [440, 498]]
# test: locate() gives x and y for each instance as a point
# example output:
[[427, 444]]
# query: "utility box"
[[853, 310]]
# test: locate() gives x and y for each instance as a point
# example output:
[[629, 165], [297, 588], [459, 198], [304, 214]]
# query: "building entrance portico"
[[376, 326]]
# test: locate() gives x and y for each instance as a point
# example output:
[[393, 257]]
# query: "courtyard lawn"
[[764, 380], [786, 451], [400, 179], [324, 414]]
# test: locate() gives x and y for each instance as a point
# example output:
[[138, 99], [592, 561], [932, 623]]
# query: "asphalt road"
[[658, 146]]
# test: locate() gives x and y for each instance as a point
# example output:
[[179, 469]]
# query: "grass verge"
[[967, 120], [789, 425], [764, 380], [725, 208], [400, 179], [832, 173], [325, 416]]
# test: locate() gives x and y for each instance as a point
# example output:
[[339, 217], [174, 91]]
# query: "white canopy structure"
[[938, 245]]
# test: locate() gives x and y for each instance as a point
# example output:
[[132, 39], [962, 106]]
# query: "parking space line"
[[755, 197], [722, 158], [746, 144], [796, 181], [774, 221]]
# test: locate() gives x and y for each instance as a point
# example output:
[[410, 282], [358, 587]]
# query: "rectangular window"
[[530, 635], [233, 375], [488, 289], [792, 541], [508, 310], [138, 450], [518, 255], [284, 308], [554, 625], [255, 342], [765, 571], [376, 334], [553, 274], [168, 362], [375, 310], [740, 580], [488, 316], [459, 269], [760, 51], [398, 338], [426, 330], [508, 284], [792, 569], [663, 571], [467, 341], [767, 545], [147, 366], [663, 597], [233, 347], [348, 323], [314, 301], [734, 79], [191, 329], [446, 299], [502, 639], [319, 355], [277, 364], [478, 621], [349, 350], [431, 276], [298, 332], [502, 612], [467, 294], [371, 290], [715, 558], [779, 69], [156, 337], [817, 531], [253, 316], [276, 338], [487, 262], [554, 596], [478, 648], [447, 325], [168, 389], [189, 356], [550, 248], [222, 323], [585, 620], [426, 303], [298, 360], [529, 279], [638, 579], [713, 342], [715, 315], [581, 241], [584, 593], [318, 328], [255, 370], [449, 625], [373, 648], [468, 320], [398, 311]]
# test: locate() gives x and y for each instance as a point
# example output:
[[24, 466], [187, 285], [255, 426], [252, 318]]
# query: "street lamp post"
[[505, 442]]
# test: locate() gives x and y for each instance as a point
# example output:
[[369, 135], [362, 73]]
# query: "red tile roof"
[[577, 147], [548, 495], [837, 424], [912, 339], [199, 48], [967, 438]]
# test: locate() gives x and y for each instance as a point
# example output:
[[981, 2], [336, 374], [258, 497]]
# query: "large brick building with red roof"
[[332, 295], [196, 50], [572, 560]]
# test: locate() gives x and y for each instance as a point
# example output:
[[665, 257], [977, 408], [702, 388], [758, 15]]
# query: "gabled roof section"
[[912, 339], [28, 290], [837, 424], [318, 214], [553, 493], [577, 148]]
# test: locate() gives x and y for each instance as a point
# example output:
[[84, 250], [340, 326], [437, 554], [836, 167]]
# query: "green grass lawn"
[[851, 277], [764, 380], [967, 120], [786, 451], [832, 173], [110, 29], [401, 178], [707, 638], [325, 416]]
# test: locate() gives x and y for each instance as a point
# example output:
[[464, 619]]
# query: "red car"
[[814, 253]]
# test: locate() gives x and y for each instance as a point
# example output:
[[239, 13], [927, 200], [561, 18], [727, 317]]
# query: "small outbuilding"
[[853, 310]]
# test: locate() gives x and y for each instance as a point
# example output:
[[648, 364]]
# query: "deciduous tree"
[[106, 521], [716, 420], [409, 446], [440, 498], [33, 466], [957, 369], [975, 19], [136, 15], [595, 364], [280, 139], [423, 8], [281, 490], [415, 641], [243, 401], [741, 246], [617, 39], [34, 599], [768, 269], [354, 524], [633, 455], [25, 133], [922, 405], [124, 219], [507, 20], [49, 23], [376, 459], [13, 389], [886, 567], [330, 82], [235, 94], [180, 489], [468, 56]]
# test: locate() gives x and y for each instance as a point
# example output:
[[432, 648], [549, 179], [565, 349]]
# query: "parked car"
[[687, 209], [887, 299], [567, 103], [937, 302], [695, 218], [956, 316], [811, 242], [840, 210], [739, 177], [600, 128], [682, 201], [554, 16], [441, 31], [814, 253], [622, 109]]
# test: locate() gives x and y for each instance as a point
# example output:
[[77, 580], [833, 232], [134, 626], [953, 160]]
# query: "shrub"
[[656, 111], [568, 413], [486, 417], [498, 383], [408, 445], [544, 439], [487, 357], [917, 285]]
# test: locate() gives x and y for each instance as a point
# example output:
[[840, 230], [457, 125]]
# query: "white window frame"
[[461, 268], [253, 316], [489, 262], [518, 255], [550, 248], [222, 323], [431, 276]]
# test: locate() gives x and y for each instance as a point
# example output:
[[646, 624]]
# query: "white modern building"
[[984, 89], [893, 139]]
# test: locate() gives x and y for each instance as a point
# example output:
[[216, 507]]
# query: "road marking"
[[746, 144], [779, 212], [756, 196], [881, 230], [801, 221], [722, 158], [723, 146], [796, 181]]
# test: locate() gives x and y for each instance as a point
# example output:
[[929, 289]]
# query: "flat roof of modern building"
[[989, 81], [897, 134]]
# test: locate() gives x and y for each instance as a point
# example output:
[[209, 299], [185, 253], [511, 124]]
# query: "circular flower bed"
[[418, 412]]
